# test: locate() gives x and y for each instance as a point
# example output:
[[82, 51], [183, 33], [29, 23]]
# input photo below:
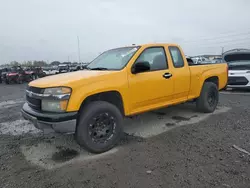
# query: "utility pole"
[[222, 50], [78, 42], [68, 58]]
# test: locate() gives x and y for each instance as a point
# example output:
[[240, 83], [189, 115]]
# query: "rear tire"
[[100, 127], [209, 97]]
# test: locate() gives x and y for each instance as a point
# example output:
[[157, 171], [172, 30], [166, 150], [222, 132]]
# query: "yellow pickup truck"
[[119, 83]]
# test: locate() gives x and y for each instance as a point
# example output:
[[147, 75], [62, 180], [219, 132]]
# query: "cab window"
[[176, 57], [156, 57]]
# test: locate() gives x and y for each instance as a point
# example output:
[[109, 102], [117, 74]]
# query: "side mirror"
[[142, 66]]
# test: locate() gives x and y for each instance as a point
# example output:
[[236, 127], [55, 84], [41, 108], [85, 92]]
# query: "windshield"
[[237, 57], [46, 68], [114, 59], [239, 65], [63, 67]]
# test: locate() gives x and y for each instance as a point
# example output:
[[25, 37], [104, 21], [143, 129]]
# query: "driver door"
[[151, 89]]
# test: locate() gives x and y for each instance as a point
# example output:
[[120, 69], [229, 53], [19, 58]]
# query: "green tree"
[[27, 63], [39, 64], [14, 63], [55, 63]]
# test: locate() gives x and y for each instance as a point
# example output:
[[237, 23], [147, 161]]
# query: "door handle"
[[167, 75]]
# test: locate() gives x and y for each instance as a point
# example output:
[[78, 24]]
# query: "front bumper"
[[242, 81], [47, 122]]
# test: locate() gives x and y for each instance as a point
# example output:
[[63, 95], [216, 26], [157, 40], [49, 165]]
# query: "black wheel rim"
[[101, 128], [212, 98]]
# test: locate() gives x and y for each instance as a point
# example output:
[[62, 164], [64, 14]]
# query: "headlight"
[[57, 90], [56, 99], [54, 105]]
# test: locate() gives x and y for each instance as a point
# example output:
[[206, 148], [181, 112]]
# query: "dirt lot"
[[174, 147]]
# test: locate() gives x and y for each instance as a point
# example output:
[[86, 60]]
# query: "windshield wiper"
[[99, 68]]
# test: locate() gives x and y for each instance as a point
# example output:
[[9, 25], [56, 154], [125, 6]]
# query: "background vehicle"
[[14, 75], [62, 68], [121, 82], [217, 60], [30, 73], [239, 68], [3, 73], [84, 65], [49, 71], [201, 60], [75, 67], [38, 72], [0, 75]]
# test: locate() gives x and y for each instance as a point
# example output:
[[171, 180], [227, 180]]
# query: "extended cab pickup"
[[120, 82]]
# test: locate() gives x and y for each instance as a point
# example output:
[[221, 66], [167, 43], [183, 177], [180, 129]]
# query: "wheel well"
[[213, 79], [113, 97]]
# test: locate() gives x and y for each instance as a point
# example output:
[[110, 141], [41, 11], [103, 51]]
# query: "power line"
[[216, 38], [222, 50], [227, 33], [228, 42]]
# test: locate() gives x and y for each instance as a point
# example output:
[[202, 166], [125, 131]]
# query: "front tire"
[[209, 97], [100, 127]]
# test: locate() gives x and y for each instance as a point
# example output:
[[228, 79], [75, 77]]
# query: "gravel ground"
[[197, 155]]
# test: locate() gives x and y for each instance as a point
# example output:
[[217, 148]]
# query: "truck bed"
[[199, 72]]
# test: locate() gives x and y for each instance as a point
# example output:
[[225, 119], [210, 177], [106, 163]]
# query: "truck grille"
[[35, 89], [237, 80], [33, 102]]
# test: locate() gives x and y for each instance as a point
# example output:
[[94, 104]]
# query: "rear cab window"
[[176, 56]]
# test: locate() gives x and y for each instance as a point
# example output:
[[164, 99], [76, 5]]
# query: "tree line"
[[35, 63]]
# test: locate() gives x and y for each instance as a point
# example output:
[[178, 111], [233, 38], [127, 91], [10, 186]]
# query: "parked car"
[[200, 60], [239, 68], [120, 83], [50, 71], [74, 68], [16, 75], [3, 73], [217, 60], [29, 72], [62, 68], [83, 66], [0, 75]]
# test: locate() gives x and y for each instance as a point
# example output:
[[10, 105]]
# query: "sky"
[[48, 29]]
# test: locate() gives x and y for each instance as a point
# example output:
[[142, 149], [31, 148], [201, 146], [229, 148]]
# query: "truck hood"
[[71, 79], [238, 60]]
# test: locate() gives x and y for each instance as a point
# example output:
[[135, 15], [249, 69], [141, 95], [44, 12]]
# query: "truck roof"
[[154, 44]]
